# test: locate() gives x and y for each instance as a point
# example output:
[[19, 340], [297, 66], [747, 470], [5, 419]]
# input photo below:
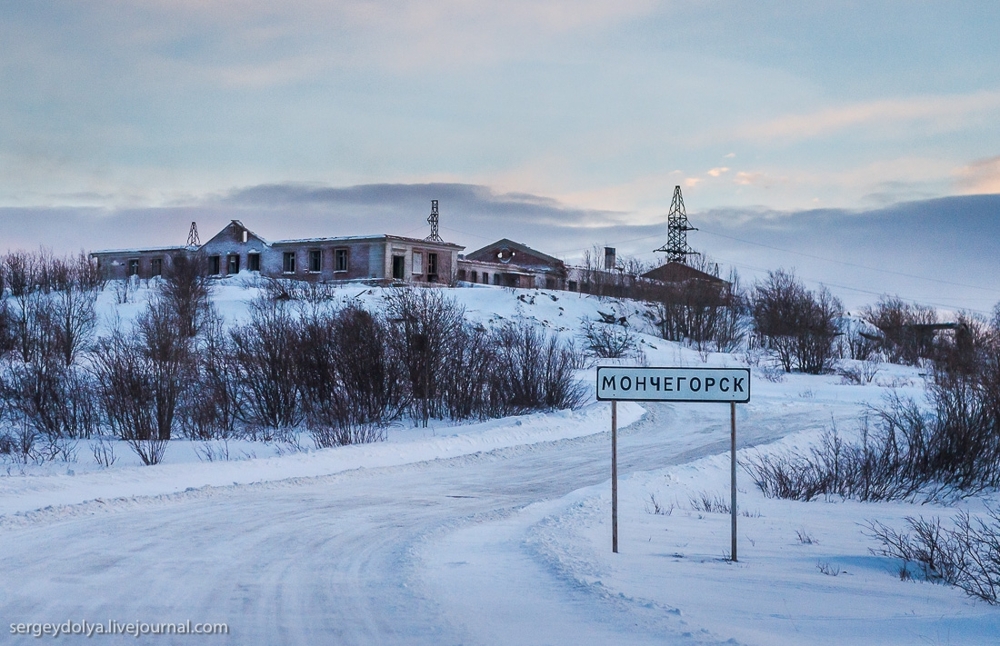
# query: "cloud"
[[981, 176], [938, 113], [394, 34], [470, 210], [744, 178], [715, 172]]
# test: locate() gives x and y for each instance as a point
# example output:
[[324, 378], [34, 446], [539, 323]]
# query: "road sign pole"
[[671, 384], [732, 466], [614, 477]]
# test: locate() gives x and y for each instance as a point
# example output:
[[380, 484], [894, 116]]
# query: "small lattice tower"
[[677, 248], [193, 239], [432, 220]]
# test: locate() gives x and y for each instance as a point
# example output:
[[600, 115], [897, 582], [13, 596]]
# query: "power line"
[[851, 264], [859, 290]]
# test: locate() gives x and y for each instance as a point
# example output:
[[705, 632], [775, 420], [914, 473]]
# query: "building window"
[[214, 265], [418, 263], [232, 264], [315, 260], [572, 285], [340, 260], [156, 267], [288, 262], [398, 267], [550, 283], [133, 267], [461, 274], [253, 261], [432, 267], [486, 278], [473, 278]]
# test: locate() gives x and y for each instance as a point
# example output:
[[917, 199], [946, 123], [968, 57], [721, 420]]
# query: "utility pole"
[[193, 239], [677, 248], [433, 221]]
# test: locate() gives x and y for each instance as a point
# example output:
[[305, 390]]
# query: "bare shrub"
[[863, 372], [654, 507], [265, 360], [604, 340], [103, 452], [351, 386], [827, 568], [471, 387], [312, 292], [209, 409], [126, 391], [873, 468], [162, 336], [805, 537], [956, 444], [142, 377], [710, 503], [860, 340], [797, 324], [125, 289], [187, 290], [18, 442], [57, 449], [534, 369], [58, 401], [428, 324], [966, 556], [622, 281], [709, 315], [906, 335]]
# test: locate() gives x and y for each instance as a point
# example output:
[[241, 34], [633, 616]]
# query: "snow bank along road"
[[353, 558]]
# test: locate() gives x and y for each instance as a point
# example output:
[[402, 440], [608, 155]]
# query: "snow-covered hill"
[[493, 533]]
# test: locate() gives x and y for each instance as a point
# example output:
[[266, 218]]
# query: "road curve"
[[326, 560]]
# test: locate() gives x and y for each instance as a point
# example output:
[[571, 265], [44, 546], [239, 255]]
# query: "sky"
[[854, 142]]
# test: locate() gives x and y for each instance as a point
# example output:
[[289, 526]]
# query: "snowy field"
[[487, 533]]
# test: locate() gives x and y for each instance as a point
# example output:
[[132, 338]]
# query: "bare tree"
[[142, 376], [796, 323], [166, 349], [265, 357], [352, 387], [126, 386], [428, 325], [210, 408], [906, 329], [188, 291]]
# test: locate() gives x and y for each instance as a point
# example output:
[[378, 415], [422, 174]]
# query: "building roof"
[[383, 236], [133, 250], [676, 272], [239, 225], [514, 247]]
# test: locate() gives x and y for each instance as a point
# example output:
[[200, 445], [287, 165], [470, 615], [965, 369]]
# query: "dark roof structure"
[[507, 251], [676, 272]]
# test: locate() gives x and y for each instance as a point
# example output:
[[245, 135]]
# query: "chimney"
[[609, 258]]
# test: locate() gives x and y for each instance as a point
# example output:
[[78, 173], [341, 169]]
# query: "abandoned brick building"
[[237, 248]]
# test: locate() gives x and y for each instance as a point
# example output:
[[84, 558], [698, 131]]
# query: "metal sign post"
[[617, 383], [614, 477]]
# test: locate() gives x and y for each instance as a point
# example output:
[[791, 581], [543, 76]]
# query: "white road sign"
[[673, 384]]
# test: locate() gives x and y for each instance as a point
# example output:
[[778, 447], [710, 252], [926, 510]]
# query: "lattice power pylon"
[[193, 239], [677, 248], [433, 221]]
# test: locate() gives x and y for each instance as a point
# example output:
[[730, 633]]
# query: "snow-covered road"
[[359, 557]]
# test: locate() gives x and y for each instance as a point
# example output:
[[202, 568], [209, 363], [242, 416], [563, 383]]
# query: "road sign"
[[673, 384], [640, 384]]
